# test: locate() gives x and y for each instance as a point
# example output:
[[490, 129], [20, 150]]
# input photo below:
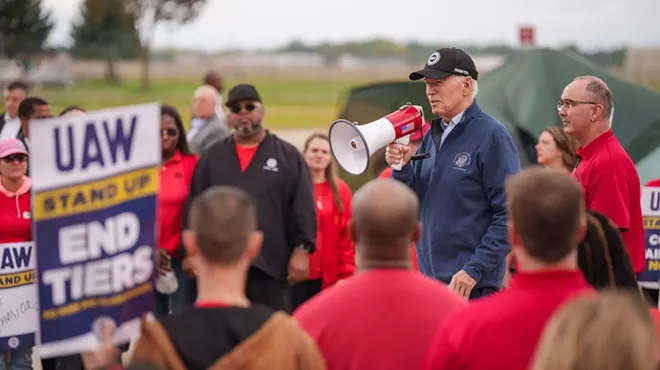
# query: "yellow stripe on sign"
[[651, 222], [16, 279], [91, 303], [96, 195]]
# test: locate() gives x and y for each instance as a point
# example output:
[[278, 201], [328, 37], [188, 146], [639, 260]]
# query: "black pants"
[[265, 289], [481, 292], [305, 290]]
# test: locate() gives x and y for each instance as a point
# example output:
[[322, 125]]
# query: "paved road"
[[297, 137]]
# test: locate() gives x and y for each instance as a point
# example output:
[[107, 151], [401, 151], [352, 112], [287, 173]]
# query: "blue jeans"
[[19, 359]]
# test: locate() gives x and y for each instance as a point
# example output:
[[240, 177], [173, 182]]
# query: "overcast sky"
[[592, 24]]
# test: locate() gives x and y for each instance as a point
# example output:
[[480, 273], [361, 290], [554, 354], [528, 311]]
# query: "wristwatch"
[[307, 247]]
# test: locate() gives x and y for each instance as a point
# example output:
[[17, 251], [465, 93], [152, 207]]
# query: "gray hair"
[[475, 85], [597, 90]]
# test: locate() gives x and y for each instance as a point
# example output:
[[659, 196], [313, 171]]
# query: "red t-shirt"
[[501, 331], [245, 155], [379, 319], [175, 176], [612, 187], [15, 218]]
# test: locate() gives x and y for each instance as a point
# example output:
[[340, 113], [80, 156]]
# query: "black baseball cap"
[[242, 92], [446, 62]]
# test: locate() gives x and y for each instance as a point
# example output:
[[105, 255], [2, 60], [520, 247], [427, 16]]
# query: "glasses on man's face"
[[168, 132], [236, 109], [568, 103], [15, 158]]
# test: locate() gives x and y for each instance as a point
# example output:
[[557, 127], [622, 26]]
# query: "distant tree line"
[[107, 29], [122, 29], [417, 52]]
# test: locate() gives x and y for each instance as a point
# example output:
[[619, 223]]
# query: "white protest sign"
[[19, 312]]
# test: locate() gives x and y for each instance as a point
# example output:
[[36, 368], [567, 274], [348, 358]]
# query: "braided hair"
[[602, 255]]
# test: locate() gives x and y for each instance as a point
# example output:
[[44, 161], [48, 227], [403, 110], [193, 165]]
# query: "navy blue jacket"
[[462, 198]]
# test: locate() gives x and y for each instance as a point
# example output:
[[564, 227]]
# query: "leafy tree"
[[24, 27], [149, 13], [106, 31]]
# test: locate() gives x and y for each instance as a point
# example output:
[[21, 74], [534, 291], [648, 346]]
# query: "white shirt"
[[218, 108], [11, 127]]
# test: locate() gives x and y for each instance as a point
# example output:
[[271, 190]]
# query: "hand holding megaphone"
[[397, 155]]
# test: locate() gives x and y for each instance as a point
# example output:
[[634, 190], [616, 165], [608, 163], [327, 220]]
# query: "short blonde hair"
[[612, 330]]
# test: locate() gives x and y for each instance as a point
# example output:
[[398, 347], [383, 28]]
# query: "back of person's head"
[[384, 223], [547, 217], [609, 331], [72, 111], [603, 257], [223, 227], [29, 106]]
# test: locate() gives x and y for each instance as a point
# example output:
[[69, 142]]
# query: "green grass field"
[[289, 103]]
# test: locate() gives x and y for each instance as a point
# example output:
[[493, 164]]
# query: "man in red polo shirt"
[[608, 175], [547, 219], [383, 317]]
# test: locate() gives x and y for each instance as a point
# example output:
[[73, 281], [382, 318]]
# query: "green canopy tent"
[[524, 91], [522, 94]]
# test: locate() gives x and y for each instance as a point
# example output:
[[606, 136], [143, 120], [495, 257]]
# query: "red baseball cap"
[[419, 134]]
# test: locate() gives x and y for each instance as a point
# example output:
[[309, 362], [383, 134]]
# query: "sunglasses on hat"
[[238, 107], [15, 158]]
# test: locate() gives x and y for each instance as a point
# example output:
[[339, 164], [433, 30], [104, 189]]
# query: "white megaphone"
[[352, 145]]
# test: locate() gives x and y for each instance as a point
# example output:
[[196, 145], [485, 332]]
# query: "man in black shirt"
[[274, 173]]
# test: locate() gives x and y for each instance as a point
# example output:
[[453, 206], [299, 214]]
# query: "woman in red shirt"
[[176, 173], [334, 258], [15, 220]]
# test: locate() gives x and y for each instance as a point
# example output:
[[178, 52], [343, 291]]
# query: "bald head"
[[206, 92], [385, 219], [598, 91], [204, 101]]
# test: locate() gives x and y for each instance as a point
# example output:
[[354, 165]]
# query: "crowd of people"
[[462, 260]]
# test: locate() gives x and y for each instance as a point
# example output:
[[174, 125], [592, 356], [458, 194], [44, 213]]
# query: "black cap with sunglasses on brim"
[[240, 93]]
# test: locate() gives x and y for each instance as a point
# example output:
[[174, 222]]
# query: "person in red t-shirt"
[[334, 258], [175, 174], [501, 331], [415, 142], [609, 177], [384, 316], [15, 221]]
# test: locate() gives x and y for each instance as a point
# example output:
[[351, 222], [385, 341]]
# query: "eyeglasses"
[[15, 158], [169, 132], [568, 103], [236, 109]]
